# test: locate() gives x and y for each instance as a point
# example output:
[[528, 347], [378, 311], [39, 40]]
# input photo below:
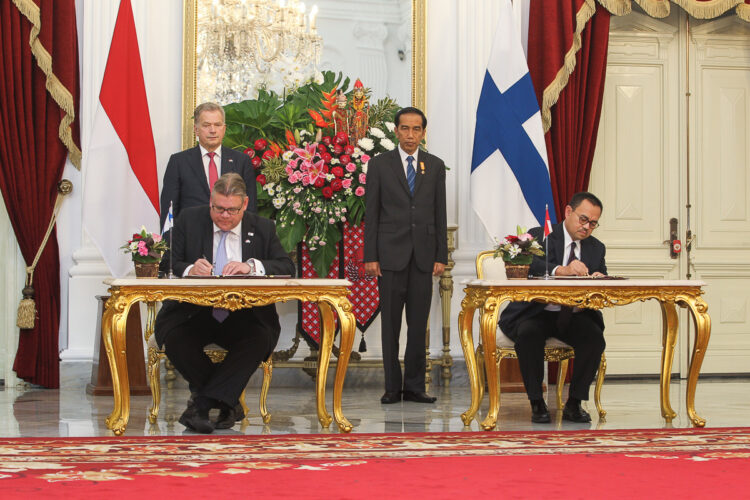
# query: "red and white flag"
[[547, 222], [121, 191]]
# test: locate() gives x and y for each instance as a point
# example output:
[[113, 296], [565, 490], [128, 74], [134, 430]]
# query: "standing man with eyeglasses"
[[221, 239], [191, 173], [573, 251]]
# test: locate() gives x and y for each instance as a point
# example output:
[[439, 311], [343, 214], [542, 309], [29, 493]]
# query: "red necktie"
[[213, 173]]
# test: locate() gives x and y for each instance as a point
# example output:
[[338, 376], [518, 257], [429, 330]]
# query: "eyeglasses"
[[583, 220], [230, 211]]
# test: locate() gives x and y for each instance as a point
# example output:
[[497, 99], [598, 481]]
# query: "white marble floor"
[[723, 402]]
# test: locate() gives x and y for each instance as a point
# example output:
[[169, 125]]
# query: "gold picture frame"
[[189, 80]]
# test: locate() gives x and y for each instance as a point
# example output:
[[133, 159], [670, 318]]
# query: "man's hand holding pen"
[[201, 267]]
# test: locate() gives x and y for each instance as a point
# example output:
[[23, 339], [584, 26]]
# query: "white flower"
[[278, 202], [387, 144], [390, 126], [375, 131], [366, 143], [318, 77], [364, 167], [287, 155], [514, 250], [303, 133]]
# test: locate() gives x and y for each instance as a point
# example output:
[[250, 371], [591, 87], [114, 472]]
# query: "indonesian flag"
[[121, 191], [547, 222]]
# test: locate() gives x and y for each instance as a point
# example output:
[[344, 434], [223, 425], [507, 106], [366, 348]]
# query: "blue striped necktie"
[[411, 174], [220, 260]]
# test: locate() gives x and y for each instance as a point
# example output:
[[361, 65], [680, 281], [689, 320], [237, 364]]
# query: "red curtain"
[[33, 157], [573, 117]]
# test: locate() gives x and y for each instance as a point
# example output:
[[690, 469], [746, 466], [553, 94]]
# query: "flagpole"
[[169, 221], [546, 242]]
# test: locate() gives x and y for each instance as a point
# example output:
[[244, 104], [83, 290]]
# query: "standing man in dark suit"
[[405, 246], [572, 252], [191, 173], [236, 242]]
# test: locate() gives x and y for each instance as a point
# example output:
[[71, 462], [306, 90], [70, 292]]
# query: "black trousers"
[[582, 334], [412, 289], [248, 344]]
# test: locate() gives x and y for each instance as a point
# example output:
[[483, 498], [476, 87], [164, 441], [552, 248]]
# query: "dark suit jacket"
[[592, 254], [396, 223], [193, 239], [185, 183]]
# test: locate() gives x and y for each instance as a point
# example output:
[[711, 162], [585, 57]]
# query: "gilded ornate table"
[[232, 294], [593, 293]]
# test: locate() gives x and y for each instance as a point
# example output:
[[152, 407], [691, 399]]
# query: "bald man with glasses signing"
[[573, 251]]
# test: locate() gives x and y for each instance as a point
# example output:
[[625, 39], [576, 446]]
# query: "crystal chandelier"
[[246, 45]]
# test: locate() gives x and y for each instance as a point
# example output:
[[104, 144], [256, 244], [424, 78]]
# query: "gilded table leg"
[[699, 308], [488, 328], [154, 362], [668, 340], [465, 320], [113, 336], [347, 321], [324, 357], [598, 389], [267, 373]]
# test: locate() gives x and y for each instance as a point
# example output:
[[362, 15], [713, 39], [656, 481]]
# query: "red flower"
[[319, 182], [325, 168], [345, 159], [260, 144], [326, 140], [327, 192], [257, 161], [349, 149], [512, 238], [326, 156], [337, 172], [250, 152], [322, 148], [261, 179], [337, 149], [136, 236], [336, 184], [342, 138], [290, 138], [268, 154]]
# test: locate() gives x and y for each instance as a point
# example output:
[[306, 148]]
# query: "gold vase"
[[516, 272], [146, 269]]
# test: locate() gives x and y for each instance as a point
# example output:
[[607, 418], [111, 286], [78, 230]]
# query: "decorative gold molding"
[[488, 298], [189, 47]]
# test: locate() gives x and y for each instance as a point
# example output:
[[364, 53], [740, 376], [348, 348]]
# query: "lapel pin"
[[421, 166]]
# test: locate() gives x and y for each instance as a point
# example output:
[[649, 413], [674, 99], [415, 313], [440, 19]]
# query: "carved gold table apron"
[[596, 294], [232, 294]]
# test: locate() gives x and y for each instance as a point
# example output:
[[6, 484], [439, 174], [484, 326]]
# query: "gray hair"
[[208, 106], [230, 184]]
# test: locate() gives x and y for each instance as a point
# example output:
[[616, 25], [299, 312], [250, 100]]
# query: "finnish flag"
[[510, 182], [168, 221]]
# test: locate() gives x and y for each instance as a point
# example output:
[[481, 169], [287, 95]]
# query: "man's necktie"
[[411, 174], [218, 313], [566, 312], [213, 173]]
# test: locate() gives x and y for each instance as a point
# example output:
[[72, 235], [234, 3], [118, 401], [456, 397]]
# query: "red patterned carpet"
[[582, 464]]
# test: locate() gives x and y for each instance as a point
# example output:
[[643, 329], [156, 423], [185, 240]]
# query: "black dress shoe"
[[197, 420], [390, 397], [539, 412], [229, 416], [419, 397], [576, 413]]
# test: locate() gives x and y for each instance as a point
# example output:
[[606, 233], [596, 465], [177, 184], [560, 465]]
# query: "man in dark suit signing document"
[[405, 246], [191, 173], [223, 239], [572, 252]]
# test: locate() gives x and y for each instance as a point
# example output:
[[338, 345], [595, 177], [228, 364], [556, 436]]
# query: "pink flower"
[[351, 167], [363, 178], [142, 250], [347, 183], [157, 237], [360, 191], [525, 237], [364, 158]]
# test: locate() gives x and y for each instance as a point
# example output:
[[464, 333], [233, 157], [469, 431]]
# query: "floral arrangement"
[[145, 247], [310, 179], [519, 249]]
